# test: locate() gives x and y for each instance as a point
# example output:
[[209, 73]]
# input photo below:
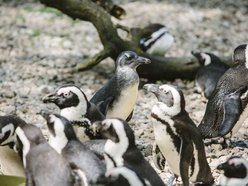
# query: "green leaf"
[[6, 180]]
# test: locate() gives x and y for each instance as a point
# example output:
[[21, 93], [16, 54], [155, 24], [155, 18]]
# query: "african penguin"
[[235, 172], [155, 39], [210, 71], [118, 96], [227, 108], [43, 165], [177, 137], [63, 139], [75, 106], [121, 150], [122, 176], [8, 125]]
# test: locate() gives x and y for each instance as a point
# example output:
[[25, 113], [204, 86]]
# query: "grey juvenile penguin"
[[177, 137], [120, 150], [235, 172], [118, 96], [43, 165], [75, 106], [227, 107], [63, 139], [210, 71]]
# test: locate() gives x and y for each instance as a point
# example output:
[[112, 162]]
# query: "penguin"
[[118, 96], [63, 139], [122, 176], [121, 150], [75, 106], [177, 137], [113, 9], [8, 125], [155, 39], [210, 71], [43, 165], [235, 172], [227, 108]]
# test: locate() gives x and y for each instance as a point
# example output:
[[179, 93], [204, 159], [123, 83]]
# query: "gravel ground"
[[40, 48]]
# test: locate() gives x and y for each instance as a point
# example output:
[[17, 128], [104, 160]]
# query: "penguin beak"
[[50, 98], [96, 126], [222, 166], [142, 60], [151, 88]]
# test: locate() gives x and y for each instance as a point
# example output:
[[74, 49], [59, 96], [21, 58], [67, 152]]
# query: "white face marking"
[[162, 109], [246, 56], [59, 141], [116, 150], [155, 35], [130, 175], [82, 175], [25, 142], [10, 127], [207, 59], [74, 113]]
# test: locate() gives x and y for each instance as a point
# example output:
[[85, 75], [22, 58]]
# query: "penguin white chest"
[[166, 146], [124, 105]]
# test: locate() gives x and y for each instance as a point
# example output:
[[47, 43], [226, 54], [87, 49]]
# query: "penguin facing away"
[[44, 166], [118, 96], [177, 137], [8, 125], [212, 68], [235, 172], [63, 139], [227, 108], [155, 39], [75, 106], [120, 150]]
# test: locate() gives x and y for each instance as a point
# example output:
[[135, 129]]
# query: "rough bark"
[[160, 68]]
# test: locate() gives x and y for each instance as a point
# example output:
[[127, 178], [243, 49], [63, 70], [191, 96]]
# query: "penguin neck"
[[59, 141], [114, 152], [126, 76], [161, 110], [74, 113]]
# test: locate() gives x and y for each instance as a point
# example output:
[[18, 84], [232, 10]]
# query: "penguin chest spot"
[[166, 146], [124, 105]]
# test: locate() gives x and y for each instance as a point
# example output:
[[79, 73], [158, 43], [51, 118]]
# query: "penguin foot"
[[211, 141]]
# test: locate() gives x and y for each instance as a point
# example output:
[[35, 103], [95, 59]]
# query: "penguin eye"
[[67, 94]]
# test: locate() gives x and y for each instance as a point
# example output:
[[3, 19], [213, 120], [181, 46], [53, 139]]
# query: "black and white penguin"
[[118, 96], [235, 172], [43, 165], [155, 39], [177, 137], [122, 176], [75, 106], [63, 139], [8, 125], [210, 71], [120, 150], [227, 107]]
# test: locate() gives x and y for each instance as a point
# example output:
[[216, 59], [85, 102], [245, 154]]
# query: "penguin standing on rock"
[[227, 107], [235, 172], [8, 125], [120, 150], [63, 139], [209, 73], [44, 166], [118, 96], [75, 106], [155, 39], [177, 137]]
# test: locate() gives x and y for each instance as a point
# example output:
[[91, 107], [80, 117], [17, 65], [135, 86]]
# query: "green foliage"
[[6, 180]]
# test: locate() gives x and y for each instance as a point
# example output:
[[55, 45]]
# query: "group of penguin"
[[91, 143]]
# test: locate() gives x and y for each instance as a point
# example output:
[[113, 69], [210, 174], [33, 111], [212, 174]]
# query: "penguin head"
[[131, 60], [240, 55], [235, 167], [205, 58], [169, 95], [7, 134], [71, 100], [28, 136]]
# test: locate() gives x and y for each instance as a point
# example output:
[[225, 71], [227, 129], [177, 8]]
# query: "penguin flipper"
[[158, 158], [232, 109], [130, 116], [104, 105]]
